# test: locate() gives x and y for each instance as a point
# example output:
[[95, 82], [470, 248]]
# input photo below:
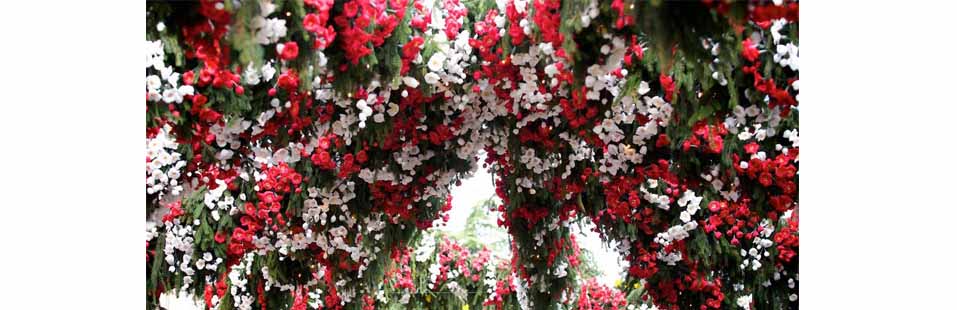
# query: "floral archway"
[[295, 149]]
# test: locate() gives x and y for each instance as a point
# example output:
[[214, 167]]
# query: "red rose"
[[289, 51]]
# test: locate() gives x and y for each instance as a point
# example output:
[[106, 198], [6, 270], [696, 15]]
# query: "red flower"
[[288, 81], [668, 84], [312, 22], [199, 100], [324, 37], [635, 49], [751, 148], [189, 77], [350, 9], [209, 115], [321, 5], [175, 210], [289, 51], [765, 179], [624, 19], [409, 51], [220, 237], [662, 141], [515, 31], [781, 203], [208, 295], [748, 50]]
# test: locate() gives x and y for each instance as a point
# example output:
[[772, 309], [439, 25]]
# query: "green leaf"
[[701, 113]]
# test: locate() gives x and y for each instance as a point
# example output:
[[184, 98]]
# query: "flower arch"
[[294, 147]]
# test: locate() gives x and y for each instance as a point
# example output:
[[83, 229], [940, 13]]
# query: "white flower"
[[560, 270], [154, 95], [251, 76], [551, 70], [186, 90], [268, 71], [776, 29], [689, 199], [410, 82], [153, 82], [173, 77], [437, 61], [162, 155], [792, 135], [272, 30], [366, 175], [224, 154], [432, 78], [166, 72], [266, 8], [154, 54], [717, 75], [643, 88], [170, 95], [744, 302]]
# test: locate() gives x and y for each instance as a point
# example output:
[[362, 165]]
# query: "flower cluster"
[[164, 165], [595, 296], [454, 275], [164, 87]]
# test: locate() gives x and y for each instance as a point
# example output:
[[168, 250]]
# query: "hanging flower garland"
[[293, 148]]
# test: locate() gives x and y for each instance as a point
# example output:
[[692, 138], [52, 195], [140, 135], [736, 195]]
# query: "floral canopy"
[[296, 150]]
